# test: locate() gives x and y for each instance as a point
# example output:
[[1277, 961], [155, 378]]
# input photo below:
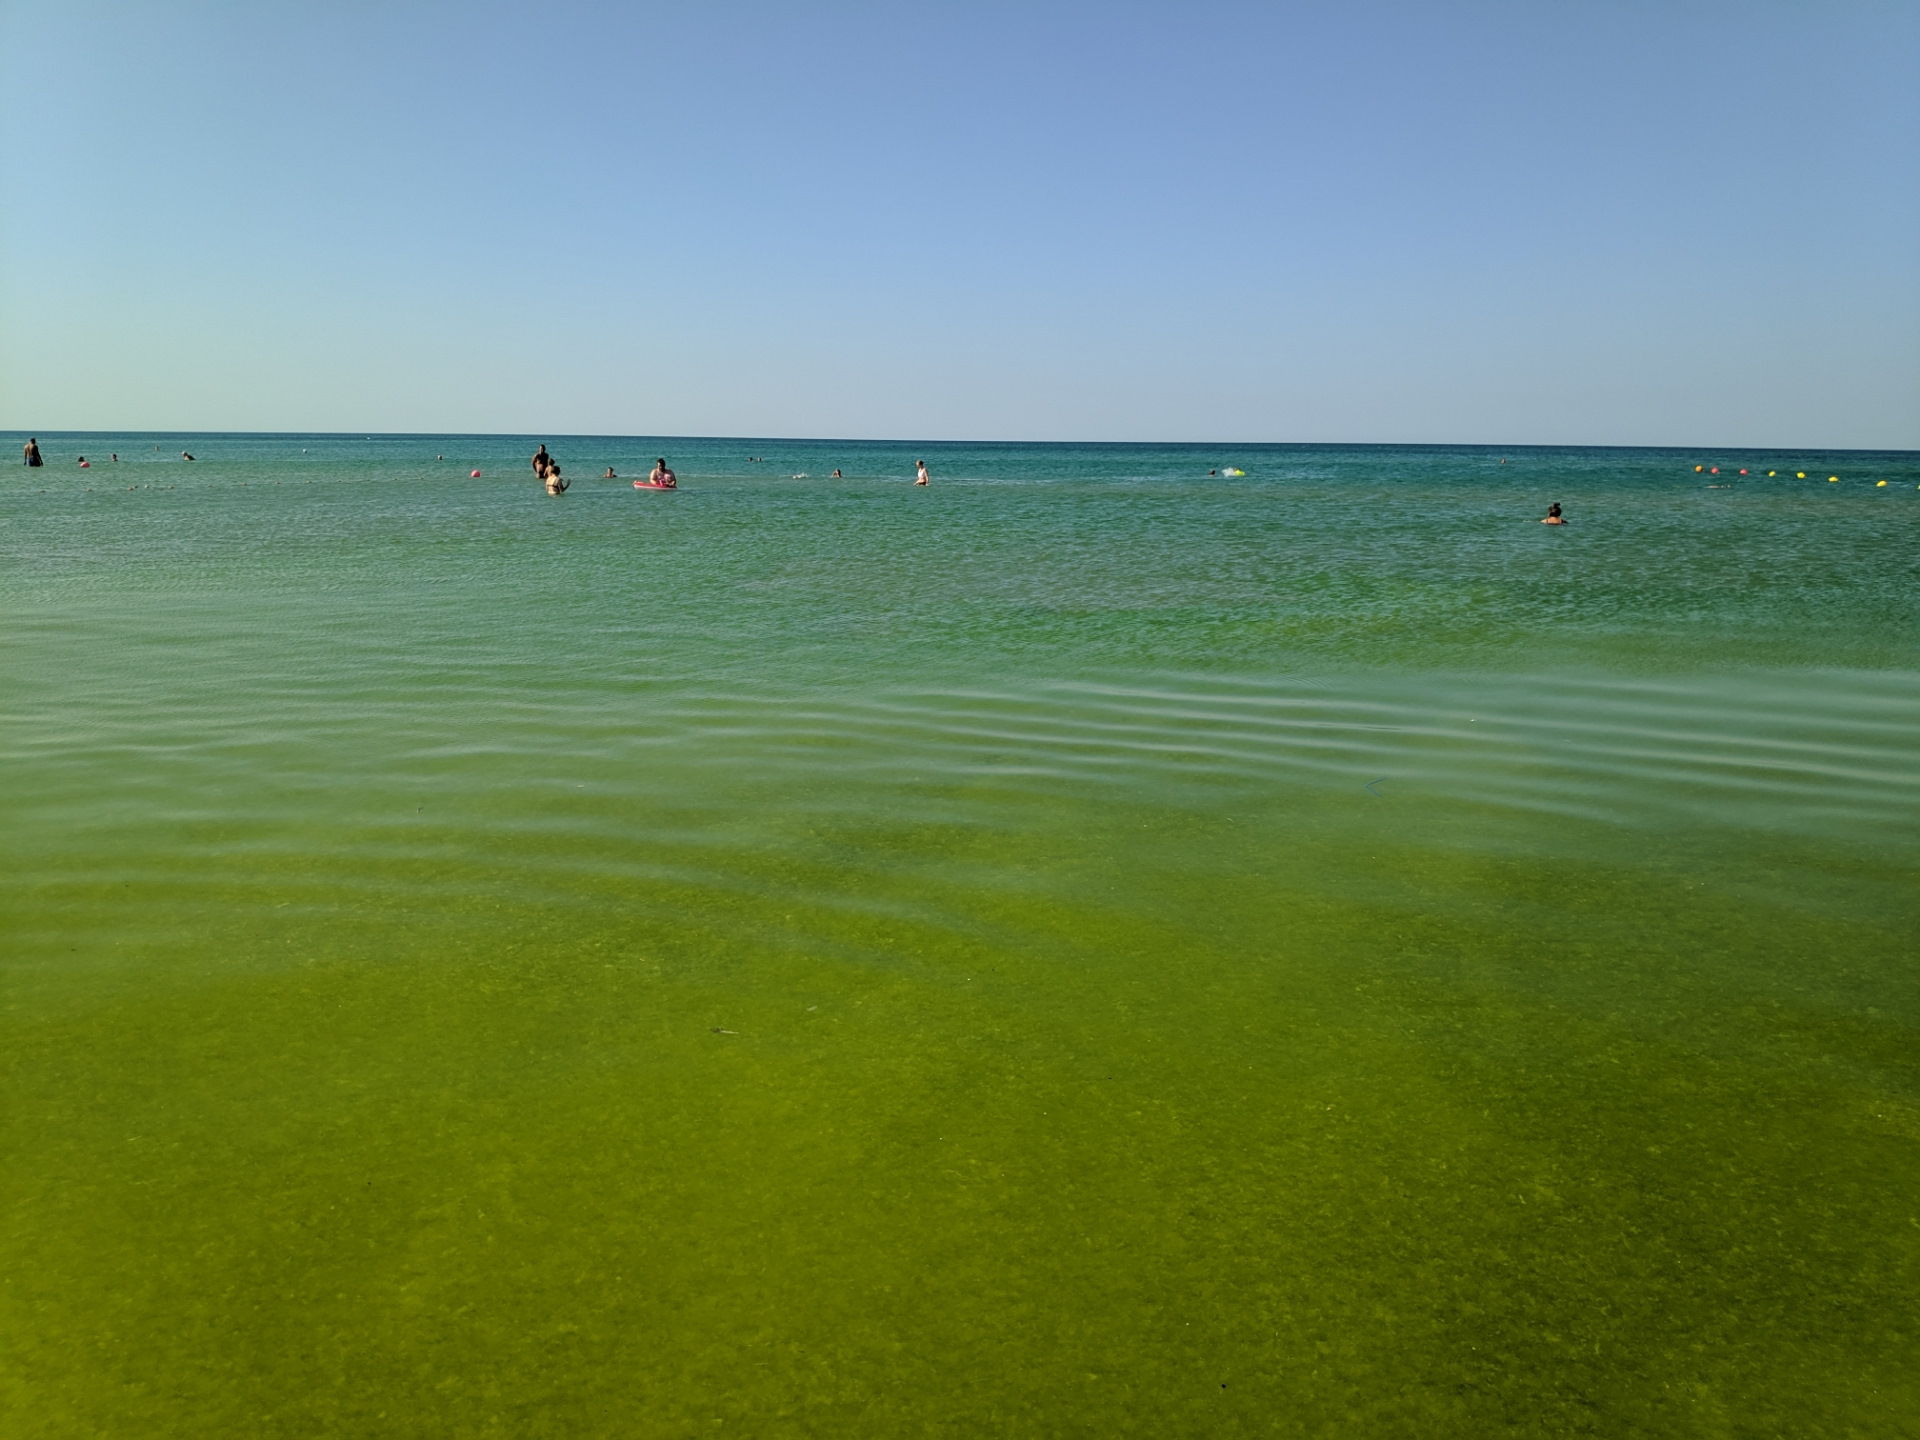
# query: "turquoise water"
[[1082, 948]]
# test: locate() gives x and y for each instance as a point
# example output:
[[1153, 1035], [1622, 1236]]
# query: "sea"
[[1216, 940]]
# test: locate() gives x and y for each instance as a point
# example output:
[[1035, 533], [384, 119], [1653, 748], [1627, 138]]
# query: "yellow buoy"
[[1879, 484], [1697, 469], [1833, 479], [1801, 473], [1769, 474]]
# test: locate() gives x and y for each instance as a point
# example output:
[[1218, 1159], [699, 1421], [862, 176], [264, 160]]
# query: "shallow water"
[[1083, 948]]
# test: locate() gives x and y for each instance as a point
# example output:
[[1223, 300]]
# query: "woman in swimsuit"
[[1553, 515], [921, 477], [555, 485]]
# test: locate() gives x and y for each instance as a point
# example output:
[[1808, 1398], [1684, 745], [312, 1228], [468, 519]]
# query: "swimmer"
[[609, 475], [920, 472], [660, 475], [84, 465], [555, 485], [30, 454], [1213, 474], [541, 460], [836, 475], [185, 456], [115, 457], [1553, 515]]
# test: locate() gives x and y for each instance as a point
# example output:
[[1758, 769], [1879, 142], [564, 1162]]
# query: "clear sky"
[[1659, 223]]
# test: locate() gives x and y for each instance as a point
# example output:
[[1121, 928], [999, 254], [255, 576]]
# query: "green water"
[[1081, 949]]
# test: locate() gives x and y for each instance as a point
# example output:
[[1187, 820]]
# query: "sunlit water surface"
[[1082, 948]]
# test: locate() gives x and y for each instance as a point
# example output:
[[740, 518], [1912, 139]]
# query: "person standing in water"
[[920, 476], [541, 462], [30, 452], [555, 485], [660, 475]]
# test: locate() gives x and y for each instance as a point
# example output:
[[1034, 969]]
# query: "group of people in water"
[[548, 469], [659, 478], [31, 457]]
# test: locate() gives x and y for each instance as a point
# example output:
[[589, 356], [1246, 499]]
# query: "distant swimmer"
[[1554, 516], [115, 457], [30, 452], [555, 485], [609, 475], [920, 476], [541, 460], [660, 475], [836, 475], [85, 464], [1213, 474], [185, 456]]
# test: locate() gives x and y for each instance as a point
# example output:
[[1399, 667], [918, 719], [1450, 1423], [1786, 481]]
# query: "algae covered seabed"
[[1084, 948]]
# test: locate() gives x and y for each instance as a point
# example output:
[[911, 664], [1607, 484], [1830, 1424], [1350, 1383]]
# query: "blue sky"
[[1546, 222]]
